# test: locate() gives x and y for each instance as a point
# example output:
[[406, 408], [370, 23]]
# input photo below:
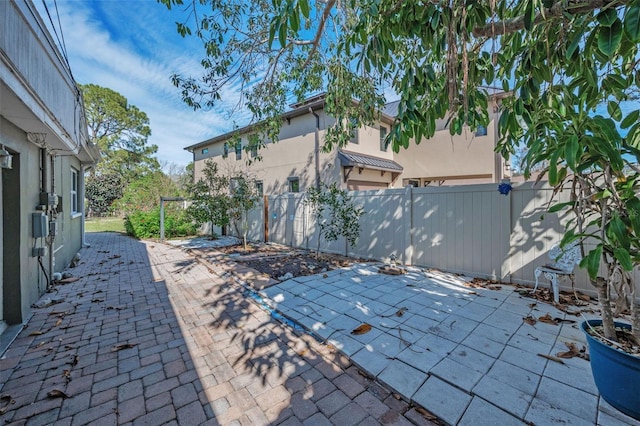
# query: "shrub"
[[147, 224]]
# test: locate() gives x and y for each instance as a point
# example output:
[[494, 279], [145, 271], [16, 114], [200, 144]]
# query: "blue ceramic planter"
[[616, 373]]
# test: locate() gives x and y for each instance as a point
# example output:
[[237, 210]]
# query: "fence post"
[[161, 218], [407, 224]]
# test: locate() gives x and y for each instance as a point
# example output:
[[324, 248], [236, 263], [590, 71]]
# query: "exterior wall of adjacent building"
[[293, 156], [42, 126], [453, 160], [441, 160]]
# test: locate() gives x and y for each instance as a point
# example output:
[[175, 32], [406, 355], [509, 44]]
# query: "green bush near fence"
[[147, 224]]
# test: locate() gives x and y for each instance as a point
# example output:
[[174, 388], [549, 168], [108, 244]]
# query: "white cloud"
[[135, 52]]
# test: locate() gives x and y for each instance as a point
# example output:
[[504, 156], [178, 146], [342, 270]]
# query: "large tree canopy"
[[121, 131], [568, 69]]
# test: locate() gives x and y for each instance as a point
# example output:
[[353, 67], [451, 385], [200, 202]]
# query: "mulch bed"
[[277, 261]]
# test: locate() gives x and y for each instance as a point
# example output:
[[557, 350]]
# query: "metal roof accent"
[[352, 159]]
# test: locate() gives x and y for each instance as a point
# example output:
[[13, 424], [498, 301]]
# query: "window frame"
[[225, 150], [238, 149], [294, 183], [73, 192], [383, 146], [259, 187]]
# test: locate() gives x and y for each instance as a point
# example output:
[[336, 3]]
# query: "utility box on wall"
[[39, 225]]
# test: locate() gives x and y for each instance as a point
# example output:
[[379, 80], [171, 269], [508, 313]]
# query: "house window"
[[481, 131], [294, 184], [353, 124], [239, 151], [74, 191], [205, 150], [254, 150], [383, 137], [259, 188], [225, 150]]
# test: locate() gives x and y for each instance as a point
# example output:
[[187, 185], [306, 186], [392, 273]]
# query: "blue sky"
[[133, 48]]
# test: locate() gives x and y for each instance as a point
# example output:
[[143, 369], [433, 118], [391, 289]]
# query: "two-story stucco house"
[[296, 161], [44, 151]]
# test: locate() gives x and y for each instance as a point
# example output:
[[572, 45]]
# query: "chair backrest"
[[565, 259]]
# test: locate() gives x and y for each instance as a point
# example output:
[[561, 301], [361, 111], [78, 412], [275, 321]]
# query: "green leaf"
[[630, 119], [304, 7], [571, 150], [573, 47], [618, 231], [560, 206], [607, 17], [609, 38], [592, 261], [632, 22], [529, 15], [613, 108], [282, 34], [624, 258]]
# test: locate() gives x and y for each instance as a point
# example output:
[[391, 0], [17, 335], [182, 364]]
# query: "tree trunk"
[[605, 307]]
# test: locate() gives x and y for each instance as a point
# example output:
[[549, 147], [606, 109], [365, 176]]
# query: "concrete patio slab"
[[459, 352]]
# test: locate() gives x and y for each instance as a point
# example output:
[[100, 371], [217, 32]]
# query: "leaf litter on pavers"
[[56, 393], [361, 329], [573, 352], [546, 318], [8, 402], [122, 346]]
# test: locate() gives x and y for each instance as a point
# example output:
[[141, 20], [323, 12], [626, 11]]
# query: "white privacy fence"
[[472, 229]]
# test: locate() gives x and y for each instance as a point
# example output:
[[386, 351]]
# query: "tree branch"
[[572, 7], [316, 39]]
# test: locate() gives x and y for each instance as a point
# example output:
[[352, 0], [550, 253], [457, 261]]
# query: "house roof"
[[314, 103], [352, 159]]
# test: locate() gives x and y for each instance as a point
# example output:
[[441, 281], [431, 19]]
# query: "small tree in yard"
[[102, 190], [335, 214], [244, 197], [210, 199]]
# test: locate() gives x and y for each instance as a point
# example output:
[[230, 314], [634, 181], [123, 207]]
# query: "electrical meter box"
[[40, 225], [48, 199]]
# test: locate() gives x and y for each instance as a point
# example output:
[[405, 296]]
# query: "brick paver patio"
[[151, 335]]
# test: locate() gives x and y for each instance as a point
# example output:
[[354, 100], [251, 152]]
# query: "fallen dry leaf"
[[401, 312], [8, 403], [426, 414], [573, 352], [69, 280], [546, 318], [58, 322], [361, 329], [36, 333], [530, 319], [552, 358], [122, 346], [67, 375], [57, 394]]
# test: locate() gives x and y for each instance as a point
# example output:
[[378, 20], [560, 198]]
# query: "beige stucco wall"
[[292, 156], [445, 155]]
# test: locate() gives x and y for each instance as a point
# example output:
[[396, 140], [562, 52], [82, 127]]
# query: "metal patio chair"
[[564, 261]]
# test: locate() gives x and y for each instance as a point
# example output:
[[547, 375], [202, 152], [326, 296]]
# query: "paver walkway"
[[465, 354], [150, 335]]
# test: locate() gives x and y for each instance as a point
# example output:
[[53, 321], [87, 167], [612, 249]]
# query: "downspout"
[[317, 147], [51, 235], [81, 197]]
